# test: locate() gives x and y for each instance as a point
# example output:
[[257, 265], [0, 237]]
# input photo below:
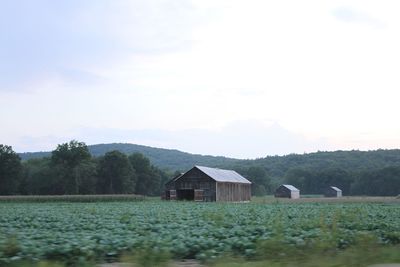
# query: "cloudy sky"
[[243, 79]]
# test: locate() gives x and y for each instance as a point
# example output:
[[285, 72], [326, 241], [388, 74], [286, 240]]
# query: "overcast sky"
[[242, 79]]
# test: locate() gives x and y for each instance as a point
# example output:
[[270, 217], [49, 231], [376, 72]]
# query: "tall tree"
[[67, 161], [38, 178], [10, 170], [149, 177], [261, 181], [115, 174]]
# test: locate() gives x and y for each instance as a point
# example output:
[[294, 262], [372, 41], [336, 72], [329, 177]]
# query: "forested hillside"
[[277, 166], [354, 160], [168, 159], [355, 172]]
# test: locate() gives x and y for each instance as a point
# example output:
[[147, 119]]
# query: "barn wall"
[[295, 194], [233, 192], [332, 193], [170, 185], [195, 179], [282, 192]]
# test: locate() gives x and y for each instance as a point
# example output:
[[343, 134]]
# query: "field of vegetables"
[[98, 232]]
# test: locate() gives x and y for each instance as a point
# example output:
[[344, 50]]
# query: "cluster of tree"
[[10, 170], [316, 181], [166, 159], [378, 182], [261, 182], [349, 161], [74, 168], [71, 169]]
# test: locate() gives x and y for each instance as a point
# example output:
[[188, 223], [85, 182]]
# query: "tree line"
[[71, 169], [377, 182]]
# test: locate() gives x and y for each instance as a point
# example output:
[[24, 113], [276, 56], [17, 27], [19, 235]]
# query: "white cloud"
[[320, 69], [348, 14]]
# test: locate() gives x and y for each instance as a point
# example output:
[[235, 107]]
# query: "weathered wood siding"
[[282, 191], [197, 180], [233, 192], [330, 192], [170, 185]]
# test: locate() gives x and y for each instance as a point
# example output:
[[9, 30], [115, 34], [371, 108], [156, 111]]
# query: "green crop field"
[[74, 233]]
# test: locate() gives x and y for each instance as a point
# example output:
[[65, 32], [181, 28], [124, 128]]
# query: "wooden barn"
[[333, 191], [208, 184], [287, 191]]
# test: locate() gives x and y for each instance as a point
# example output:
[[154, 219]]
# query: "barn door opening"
[[198, 195], [171, 194], [185, 194]]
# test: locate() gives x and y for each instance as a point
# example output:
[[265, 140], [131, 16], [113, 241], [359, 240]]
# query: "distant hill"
[[277, 166], [353, 161], [170, 159]]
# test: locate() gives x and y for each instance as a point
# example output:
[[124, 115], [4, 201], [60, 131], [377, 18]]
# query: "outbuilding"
[[287, 191], [333, 191], [208, 184]]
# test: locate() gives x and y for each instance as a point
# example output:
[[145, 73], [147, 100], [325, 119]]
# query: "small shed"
[[333, 191], [208, 184], [287, 191]]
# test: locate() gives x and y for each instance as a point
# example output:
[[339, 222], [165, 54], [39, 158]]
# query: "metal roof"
[[290, 187], [222, 176], [336, 189]]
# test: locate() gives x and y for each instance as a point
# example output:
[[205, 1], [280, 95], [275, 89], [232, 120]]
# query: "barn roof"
[[220, 175], [290, 187], [335, 188]]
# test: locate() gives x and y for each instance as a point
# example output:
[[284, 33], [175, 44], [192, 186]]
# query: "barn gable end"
[[287, 191], [333, 191], [209, 184]]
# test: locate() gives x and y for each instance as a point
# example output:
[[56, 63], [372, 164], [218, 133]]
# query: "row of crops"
[[72, 198], [77, 232]]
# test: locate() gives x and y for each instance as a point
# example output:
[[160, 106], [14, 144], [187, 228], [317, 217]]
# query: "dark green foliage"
[[169, 159], [38, 178], [347, 160], [70, 166], [72, 170], [70, 154], [355, 172], [86, 174], [115, 174], [311, 173], [10, 170], [260, 178], [316, 181], [149, 179], [380, 182]]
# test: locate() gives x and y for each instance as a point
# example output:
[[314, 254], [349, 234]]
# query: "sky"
[[242, 79]]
